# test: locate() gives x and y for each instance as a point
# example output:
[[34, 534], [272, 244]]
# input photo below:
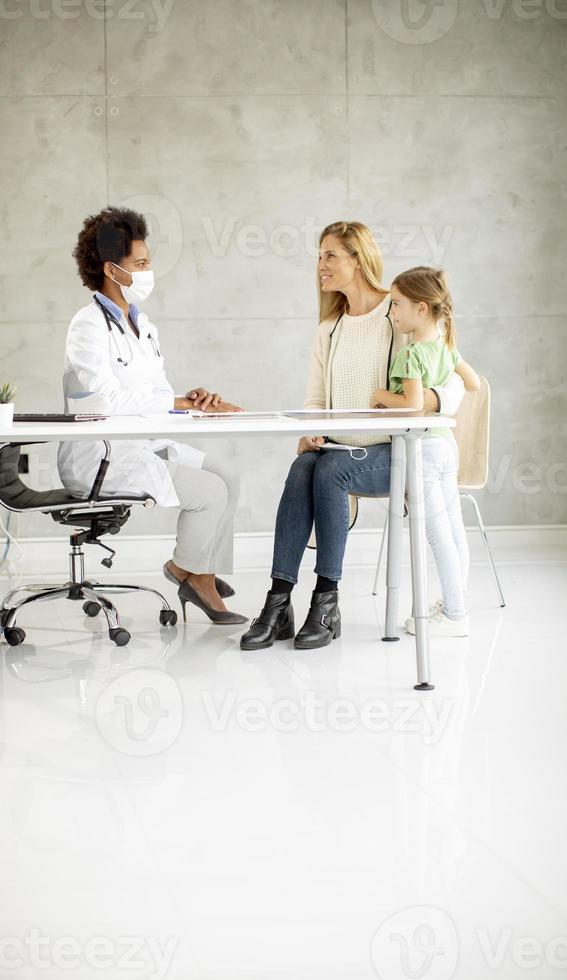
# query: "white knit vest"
[[358, 367]]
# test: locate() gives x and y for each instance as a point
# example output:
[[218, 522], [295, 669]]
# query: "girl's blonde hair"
[[426, 285], [358, 241]]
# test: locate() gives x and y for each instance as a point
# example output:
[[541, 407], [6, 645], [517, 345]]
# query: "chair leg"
[[7, 601], [116, 589], [384, 534], [110, 611], [11, 614], [482, 530]]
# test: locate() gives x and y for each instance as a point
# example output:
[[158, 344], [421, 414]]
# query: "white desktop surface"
[[181, 427]]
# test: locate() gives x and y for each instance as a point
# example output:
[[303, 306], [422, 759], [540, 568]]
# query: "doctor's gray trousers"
[[205, 526]]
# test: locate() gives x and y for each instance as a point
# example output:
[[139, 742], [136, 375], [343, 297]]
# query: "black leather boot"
[[323, 622], [275, 622]]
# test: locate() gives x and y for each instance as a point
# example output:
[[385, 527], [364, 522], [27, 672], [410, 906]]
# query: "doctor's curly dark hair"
[[106, 237]]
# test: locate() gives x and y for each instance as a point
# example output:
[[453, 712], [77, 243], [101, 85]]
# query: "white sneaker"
[[435, 605], [441, 625]]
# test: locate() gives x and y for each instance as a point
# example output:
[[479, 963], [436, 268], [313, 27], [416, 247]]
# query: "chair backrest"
[[473, 437], [16, 496]]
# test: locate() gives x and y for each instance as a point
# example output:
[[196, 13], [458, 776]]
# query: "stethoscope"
[[111, 322], [390, 348]]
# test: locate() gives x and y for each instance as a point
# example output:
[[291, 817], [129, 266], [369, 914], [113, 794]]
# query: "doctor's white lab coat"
[[114, 374]]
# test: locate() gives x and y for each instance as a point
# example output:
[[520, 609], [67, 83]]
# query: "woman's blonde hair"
[[358, 241], [426, 285]]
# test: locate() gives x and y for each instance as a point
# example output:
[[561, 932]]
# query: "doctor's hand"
[[202, 399], [310, 444], [225, 407]]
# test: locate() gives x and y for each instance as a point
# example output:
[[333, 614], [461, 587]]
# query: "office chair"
[[472, 434], [96, 515]]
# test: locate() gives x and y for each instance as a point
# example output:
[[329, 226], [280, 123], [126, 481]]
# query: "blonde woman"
[[352, 351]]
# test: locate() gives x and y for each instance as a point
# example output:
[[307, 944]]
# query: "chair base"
[[94, 595]]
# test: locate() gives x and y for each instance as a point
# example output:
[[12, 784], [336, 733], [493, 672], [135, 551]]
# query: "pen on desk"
[[179, 411]]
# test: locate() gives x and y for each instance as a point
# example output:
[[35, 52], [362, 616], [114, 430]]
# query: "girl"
[[420, 299]]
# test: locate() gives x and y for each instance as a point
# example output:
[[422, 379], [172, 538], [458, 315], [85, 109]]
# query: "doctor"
[[114, 365]]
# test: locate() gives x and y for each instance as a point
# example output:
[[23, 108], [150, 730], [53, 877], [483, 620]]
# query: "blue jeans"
[[316, 492]]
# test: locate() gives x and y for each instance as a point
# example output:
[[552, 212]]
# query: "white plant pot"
[[6, 414]]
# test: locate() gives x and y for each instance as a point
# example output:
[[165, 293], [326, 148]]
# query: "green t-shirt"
[[432, 362]]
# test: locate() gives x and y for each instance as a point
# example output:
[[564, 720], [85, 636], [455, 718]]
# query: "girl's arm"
[[468, 374], [411, 398]]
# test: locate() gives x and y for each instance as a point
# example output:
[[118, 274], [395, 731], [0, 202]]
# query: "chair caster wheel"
[[3, 616], [14, 635], [168, 617], [120, 636], [91, 608]]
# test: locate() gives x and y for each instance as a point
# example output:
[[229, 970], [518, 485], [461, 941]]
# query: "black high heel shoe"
[[323, 622], [223, 588], [275, 622], [187, 594]]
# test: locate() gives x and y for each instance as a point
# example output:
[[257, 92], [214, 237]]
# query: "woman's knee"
[[301, 471], [332, 468]]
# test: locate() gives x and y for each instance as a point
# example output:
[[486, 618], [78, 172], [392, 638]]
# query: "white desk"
[[406, 471]]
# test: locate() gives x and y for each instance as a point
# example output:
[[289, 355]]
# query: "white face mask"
[[142, 285]]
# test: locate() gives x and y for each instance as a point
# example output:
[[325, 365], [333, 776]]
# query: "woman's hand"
[[310, 444], [202, 399]]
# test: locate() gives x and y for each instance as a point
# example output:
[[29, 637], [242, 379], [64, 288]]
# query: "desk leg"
[[395, 529], [418, 561]]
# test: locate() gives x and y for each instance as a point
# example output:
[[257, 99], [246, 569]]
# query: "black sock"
[[326, 584], [281, 587]]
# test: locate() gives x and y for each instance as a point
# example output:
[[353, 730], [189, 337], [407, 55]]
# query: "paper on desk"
[[238, 415]]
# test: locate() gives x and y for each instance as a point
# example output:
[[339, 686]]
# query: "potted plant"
[[7, 395]]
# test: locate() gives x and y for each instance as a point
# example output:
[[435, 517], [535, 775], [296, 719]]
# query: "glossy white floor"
[[177, 808]]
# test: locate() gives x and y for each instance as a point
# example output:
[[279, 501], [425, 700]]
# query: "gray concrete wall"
[[240, 127]]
